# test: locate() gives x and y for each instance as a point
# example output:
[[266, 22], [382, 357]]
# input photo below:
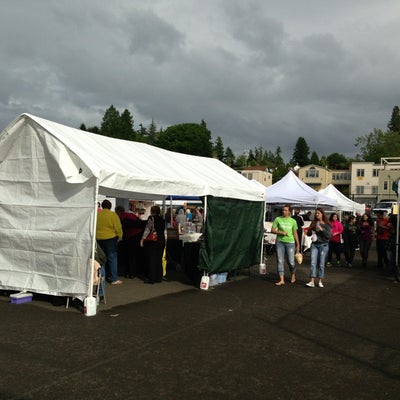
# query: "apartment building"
[[260, 174], [373, 182], [320, 177], [364, 182]]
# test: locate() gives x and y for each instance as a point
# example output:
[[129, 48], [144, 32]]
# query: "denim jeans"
[[110, 248], [103, 275], [319, 251], [283, 249]]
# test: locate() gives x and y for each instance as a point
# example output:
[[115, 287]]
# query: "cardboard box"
[[172, 233], [19, 298]]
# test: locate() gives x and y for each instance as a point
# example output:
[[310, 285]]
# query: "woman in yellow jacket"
[[108, 233]]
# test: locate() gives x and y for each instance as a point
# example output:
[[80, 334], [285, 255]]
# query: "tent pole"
[[397, 230], [205, 209], [262, 238], [170, 210], [90, 289]]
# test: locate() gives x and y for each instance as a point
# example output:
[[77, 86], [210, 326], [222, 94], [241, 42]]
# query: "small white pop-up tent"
[[343, 202], [291, 190], [50, 179]]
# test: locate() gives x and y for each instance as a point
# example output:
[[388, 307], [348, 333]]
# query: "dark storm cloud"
[[260, 73]]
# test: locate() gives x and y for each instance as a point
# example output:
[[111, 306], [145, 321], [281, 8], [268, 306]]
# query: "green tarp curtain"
[[232, 235]]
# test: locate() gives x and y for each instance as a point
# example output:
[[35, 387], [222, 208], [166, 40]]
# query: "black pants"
[[153, 256], [129, 256], [364, 250], [334, 247], [383, 259], [349, 251]]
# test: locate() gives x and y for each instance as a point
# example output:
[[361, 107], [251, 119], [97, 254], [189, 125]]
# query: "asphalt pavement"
[[245, 339]]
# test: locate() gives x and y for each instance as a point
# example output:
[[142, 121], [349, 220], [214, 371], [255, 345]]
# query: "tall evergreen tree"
[[301, 153], [219, 152], [111, 123], [230, 158], [152, 133], [314, 158], [394, 123], [251, 159], [126, 130]]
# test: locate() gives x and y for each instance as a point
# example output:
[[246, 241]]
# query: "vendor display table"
[[185, 251], [189, 237]]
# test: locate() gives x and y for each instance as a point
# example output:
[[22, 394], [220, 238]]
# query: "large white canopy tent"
[[291, 190], [51, 176], [343, 202]]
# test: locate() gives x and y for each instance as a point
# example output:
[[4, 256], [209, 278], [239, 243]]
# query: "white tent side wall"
[[45, 222]]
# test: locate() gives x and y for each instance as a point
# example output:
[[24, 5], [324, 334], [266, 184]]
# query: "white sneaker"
[[310, 284], [320, 284]]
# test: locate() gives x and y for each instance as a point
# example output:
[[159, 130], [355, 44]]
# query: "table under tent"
[[51, 176]]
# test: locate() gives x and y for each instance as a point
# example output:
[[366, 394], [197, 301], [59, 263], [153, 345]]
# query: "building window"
[[375, 172], [360, 172], [385, 185], [360, 189], [312, 173], [374, 189], [341, 176]]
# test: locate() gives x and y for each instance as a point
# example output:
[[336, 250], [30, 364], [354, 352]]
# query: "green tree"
[[188, 138], [301, 153], [152, 133], [93, 129], [337, 161], [323, 162], [230, 158], [251, 159], [378, 144], [394, 123], [279, 167], [219, 149], [314, 158], [241, 161], [126, 130], [111, 123]]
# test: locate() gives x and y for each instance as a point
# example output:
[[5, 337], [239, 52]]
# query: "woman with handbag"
[[153, 241], [320, 231]]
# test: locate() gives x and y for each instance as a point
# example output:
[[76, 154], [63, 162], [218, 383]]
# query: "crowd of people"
[[124, 238], [122, 235], [330, 238]]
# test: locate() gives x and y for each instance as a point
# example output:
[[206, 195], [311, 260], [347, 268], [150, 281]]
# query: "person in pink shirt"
[[335, 245]]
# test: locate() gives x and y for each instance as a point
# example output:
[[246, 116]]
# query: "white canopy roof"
[[291, 190], [343, 202], [130, 169]]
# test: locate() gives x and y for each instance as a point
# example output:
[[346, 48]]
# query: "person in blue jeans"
[[287, 241], [320, 231], [108, 233]]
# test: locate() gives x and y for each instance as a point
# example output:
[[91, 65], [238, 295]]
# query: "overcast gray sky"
[[259, 72]]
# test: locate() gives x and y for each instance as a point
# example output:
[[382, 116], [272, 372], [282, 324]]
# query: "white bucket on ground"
[[89, 306], [262, 269], [205, 282]]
